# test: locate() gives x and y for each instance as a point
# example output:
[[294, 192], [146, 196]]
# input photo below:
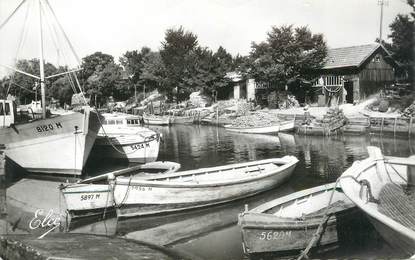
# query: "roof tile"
[[352, 56]]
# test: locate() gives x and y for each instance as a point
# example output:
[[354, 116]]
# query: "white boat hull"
[[138, 197], [366, 182], [182, 120], [156, 120], [131, 147], [52, 145], [285, 126], [88, 196]]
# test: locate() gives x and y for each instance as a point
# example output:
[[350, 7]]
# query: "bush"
[[383, 106]]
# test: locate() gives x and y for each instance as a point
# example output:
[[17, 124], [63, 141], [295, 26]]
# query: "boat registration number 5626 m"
[[274, 235]]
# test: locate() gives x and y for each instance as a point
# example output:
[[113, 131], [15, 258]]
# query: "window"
[[7, 110], [119, 122], [1, 109]]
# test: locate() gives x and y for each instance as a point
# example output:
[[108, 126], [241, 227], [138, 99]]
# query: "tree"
[[24, 86], [286, 54], [93, 63], [153, 72], [132, 61], [403, 43], [61, 89], [102, 78], [177, 48]]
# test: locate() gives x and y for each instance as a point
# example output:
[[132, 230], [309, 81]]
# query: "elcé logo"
[[49, 220]]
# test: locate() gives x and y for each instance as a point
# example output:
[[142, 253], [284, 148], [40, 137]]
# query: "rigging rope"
[[22, 40], [332, 91], [12, 14], [319, 231]]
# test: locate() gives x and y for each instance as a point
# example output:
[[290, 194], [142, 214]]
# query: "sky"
[[115, 27]]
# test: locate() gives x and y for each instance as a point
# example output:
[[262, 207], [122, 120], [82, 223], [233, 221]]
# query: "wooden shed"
[[351, 74]]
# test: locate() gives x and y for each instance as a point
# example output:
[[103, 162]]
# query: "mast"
[[41, 63]]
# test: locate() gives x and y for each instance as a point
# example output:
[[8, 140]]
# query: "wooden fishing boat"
[[383, 187], [279, 127], [94, 195], [288, 224], [52, 145], [156, 120], [182, 120], [121, 137], [198, 188], [139, 148]]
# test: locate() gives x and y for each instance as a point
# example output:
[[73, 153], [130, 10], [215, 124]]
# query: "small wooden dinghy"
[[288, 224], [279, 127], [94, 195], [199, 188], [182, 120], [383, 187], [156, 120]]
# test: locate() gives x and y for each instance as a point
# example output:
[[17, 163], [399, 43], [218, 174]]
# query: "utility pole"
[[381, 3]]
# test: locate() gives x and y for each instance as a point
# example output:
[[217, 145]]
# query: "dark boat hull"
[[265, 234]]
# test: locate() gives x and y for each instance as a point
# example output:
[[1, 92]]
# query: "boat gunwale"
[[283, 222], [371, 211], [173, 166], [293, 196], [166, 184], [230, 127]]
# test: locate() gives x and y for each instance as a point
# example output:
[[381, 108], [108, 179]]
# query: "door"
[[348, 86], [6, 113]]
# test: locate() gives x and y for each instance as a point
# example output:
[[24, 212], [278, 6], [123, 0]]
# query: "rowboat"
[[199, 188], [156, 120], [272, 129], [288, 224], [94, 195], [382, 187], [182, 120]]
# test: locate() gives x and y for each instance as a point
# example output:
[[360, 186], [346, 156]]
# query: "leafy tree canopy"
[[287, 53]]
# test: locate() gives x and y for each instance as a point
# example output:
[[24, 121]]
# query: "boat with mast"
[[54, 145]]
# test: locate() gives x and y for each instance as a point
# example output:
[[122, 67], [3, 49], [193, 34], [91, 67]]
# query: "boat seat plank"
[[398, 205]]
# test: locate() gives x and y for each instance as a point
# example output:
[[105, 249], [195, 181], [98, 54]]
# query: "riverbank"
[[81, 246], [358, 120]]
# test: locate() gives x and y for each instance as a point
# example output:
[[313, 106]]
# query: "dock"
[[81, 246]]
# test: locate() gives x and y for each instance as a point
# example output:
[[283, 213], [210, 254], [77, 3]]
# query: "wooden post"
[[410, 126], [217, 115], [381, 127], [411, 173], [2, 160], [394, 127], [2, 181]]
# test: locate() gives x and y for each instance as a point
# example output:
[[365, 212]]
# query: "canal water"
[[321, 160], [213, 233]]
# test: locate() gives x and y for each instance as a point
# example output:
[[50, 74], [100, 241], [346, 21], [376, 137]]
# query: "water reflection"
[[322, 160]]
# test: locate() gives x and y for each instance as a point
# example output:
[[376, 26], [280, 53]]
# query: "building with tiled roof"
[[351, 74]]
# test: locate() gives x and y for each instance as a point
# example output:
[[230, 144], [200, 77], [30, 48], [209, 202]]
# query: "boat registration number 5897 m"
[[89, 196], [274, 235]]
